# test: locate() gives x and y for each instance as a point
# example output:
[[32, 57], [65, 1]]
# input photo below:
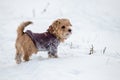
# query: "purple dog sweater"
[[44, 41]]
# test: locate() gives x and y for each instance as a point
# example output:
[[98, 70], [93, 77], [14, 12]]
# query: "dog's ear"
[[57, 22], [52, 28]]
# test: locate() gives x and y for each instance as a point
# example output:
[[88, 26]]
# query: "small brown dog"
[[28, 42]]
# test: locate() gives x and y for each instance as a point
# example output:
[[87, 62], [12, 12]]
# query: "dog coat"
[[44, 41]]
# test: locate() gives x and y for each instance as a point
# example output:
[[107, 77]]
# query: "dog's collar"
[[50, 35]]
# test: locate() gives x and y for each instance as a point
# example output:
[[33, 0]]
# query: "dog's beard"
[[66, 36]]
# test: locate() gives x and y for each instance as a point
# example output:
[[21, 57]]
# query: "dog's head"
[[61, 28]]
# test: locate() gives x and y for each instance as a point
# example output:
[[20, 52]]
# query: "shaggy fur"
[[57, 32]]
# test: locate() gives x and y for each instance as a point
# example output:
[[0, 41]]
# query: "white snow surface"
[[95, 22]]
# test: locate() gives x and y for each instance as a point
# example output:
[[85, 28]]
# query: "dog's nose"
[[69, 30]]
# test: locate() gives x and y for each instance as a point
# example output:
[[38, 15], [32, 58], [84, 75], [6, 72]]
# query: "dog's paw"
[[52, 56], [18, 61]]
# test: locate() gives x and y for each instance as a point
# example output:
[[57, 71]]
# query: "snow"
[[95, 22]]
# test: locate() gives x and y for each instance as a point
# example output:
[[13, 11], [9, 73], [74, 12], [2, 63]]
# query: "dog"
[[28, 43]]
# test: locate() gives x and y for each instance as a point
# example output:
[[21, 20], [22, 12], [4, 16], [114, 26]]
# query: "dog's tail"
[[21, 27]]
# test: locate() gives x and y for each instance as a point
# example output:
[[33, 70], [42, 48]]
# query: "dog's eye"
[[63, 27]]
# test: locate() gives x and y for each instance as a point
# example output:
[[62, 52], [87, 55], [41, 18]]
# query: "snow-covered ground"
[[95, 22]]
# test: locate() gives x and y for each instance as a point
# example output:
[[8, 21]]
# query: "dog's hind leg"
[[18, 57], [26, 57]]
